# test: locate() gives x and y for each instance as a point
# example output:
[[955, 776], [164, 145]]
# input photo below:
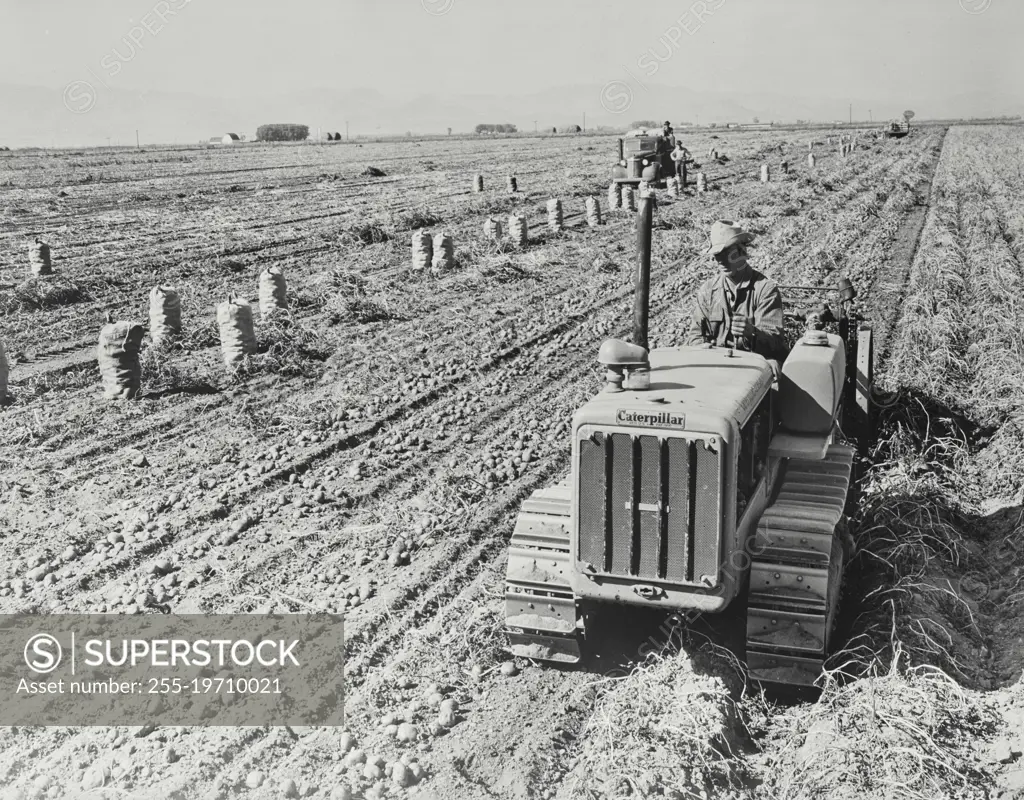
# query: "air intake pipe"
[[642, 288], [629, 365], [640, 378]]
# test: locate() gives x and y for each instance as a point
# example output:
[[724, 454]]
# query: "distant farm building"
[[230, 138]]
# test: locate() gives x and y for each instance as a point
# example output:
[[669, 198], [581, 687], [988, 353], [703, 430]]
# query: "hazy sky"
[[857, 48]]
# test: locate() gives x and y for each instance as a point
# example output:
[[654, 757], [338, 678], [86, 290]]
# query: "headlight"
[[646, 162], [622, 163]]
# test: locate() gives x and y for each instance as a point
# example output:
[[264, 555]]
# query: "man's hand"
[[742, 328]]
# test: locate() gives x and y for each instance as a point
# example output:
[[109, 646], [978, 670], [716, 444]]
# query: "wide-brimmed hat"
[[725, 234]]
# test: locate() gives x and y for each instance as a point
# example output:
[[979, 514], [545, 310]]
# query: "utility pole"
[[851, 113], [535, 126], [137, 145], [346, 130], [870, 118], [584, 121]]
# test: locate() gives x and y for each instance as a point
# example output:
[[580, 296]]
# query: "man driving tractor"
[[740, 307]]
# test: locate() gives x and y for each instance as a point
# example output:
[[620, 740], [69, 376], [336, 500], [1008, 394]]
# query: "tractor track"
[[889, 289]]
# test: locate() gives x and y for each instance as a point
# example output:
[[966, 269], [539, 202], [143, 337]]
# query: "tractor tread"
[[797, 571], [540, 607]]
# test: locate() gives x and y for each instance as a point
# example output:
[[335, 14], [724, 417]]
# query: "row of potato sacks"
[[510, 183], [437, 252], [121, 342]]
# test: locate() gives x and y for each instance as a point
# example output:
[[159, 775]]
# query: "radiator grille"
[[649, 507]]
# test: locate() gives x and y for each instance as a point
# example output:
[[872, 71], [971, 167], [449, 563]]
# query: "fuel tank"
[[811, 383]]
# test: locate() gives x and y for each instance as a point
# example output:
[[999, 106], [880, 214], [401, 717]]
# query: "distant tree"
[[645, 123], [908, 115], [485, 128], [449, 131], [756, 120], [282, 132]]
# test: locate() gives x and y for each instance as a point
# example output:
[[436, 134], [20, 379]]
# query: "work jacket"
[[758, 298]]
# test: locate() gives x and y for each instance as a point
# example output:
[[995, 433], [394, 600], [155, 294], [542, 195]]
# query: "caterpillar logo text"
[[648, 419]]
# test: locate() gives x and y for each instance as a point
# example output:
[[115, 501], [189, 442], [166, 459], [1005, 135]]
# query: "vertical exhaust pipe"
[[629, 367], [641, 295]]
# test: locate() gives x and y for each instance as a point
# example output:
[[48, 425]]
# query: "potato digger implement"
[[702, 477]]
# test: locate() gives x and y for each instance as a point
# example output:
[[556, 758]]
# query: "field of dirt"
[[371, 459]]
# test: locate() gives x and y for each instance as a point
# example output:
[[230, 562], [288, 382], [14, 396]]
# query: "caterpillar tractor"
[[702, 477], [643, 156]]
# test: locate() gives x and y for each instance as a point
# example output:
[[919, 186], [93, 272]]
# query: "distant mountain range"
[[82, 115]]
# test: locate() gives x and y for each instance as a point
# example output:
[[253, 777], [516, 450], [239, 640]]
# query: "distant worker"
[[669, 136], [664, 147], [680, 156], [740, 307]]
